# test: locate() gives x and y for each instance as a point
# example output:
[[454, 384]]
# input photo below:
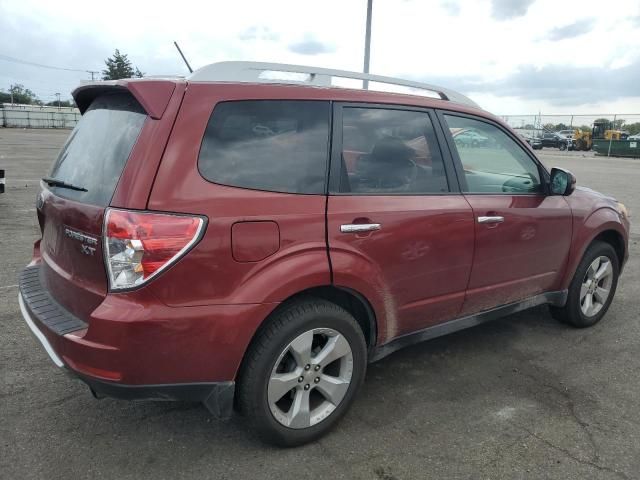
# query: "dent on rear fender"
[[285, 274], [355, 271]]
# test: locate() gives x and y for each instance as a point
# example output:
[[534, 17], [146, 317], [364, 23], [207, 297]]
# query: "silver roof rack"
[[260, 72]]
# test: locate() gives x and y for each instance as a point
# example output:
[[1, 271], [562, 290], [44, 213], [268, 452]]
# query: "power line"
[[7, 58]]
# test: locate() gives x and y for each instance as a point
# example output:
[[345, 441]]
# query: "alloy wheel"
[[310, 378], [596, 286]]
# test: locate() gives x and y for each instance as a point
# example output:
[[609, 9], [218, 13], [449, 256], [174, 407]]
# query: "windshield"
[[98, 148]]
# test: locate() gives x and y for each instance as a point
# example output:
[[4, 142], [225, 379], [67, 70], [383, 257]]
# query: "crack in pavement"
[[571, 407], [568, 454]]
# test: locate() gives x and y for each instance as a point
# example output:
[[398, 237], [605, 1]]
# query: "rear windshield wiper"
[[52, 182]]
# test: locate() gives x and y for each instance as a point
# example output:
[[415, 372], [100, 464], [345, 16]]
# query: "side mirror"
[[563, 182]]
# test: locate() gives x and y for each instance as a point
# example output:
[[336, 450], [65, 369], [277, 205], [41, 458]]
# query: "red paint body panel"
[[153, 95], [429, 263], [179, 187], [142, 341], [139, 173], [523, 256], [418, 263], [254, 241], [78, 282], [593, 214]]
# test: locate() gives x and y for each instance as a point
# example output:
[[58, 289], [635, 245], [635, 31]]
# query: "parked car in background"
[[251, 242], [470, 138], [553, 140], [566, 133], [634, 137], [535, 142]]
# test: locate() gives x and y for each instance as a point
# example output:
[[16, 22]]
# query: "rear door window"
[[388, 151], [98, 148], [274, 145]]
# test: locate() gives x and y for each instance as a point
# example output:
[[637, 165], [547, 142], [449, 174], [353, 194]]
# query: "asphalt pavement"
[[523, 397]]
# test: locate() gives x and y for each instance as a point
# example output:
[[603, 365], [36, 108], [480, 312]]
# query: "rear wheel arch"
[[353, 302]]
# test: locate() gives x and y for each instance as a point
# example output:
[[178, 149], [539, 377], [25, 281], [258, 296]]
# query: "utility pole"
[[92, 73], [367, 44], [58, 96], [611, 135], [11, 91]]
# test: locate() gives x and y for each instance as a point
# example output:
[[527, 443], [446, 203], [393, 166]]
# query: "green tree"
[[633, 128], [63, 103], [20, 95], [119, 66]]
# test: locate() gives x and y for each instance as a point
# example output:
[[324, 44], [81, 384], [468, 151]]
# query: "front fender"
[[601, 220]]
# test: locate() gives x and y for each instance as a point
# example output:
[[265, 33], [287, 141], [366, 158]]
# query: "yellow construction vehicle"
[[603, 130]]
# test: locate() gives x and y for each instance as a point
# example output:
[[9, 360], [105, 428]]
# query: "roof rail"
[[260, 72]]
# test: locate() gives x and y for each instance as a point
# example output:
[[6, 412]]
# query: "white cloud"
[[488, 42]]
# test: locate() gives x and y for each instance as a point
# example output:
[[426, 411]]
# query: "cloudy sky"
[[511, 56]]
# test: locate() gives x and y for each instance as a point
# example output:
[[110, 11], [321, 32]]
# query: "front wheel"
[[592, 288], [302, 373]]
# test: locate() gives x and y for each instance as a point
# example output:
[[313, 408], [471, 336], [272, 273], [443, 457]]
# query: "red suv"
[[252, 237]]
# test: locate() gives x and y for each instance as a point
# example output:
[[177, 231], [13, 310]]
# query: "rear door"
[[90, 163], [522, 234], [396, 223]]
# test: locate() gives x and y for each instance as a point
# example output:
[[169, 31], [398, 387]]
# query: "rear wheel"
[[592, 288], [302, 373], [562, 146]]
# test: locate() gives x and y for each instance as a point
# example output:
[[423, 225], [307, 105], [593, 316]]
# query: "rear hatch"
[[75, 194]]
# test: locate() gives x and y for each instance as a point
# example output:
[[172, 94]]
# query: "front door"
[[395, 223], [522, 234]]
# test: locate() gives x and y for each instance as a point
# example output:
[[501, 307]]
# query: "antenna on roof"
[[182, 55]]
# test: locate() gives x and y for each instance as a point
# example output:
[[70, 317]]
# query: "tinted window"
[[493, 162], [271, 145], [388, 151], [98, 148]]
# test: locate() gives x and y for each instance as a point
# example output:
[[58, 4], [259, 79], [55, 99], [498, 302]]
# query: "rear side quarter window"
[[273, 145]]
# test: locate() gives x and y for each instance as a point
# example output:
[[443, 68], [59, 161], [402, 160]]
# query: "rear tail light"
[[139, 245]]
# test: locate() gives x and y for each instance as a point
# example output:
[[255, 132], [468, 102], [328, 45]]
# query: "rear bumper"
[[217, 396], [134, 348]]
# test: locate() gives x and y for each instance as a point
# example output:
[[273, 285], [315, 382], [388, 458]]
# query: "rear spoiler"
[[153, 95]]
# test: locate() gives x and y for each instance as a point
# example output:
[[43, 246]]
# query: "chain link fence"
[[535, 125], [33, 116], [30, 116]]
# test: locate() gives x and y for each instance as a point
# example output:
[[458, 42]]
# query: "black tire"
[[571, 313], [562, 146], [280, 330]]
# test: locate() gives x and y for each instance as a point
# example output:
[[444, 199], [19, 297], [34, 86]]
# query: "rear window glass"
[[274, 145], [98, 148]]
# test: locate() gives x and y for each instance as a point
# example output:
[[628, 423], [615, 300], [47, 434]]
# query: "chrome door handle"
[[490, 219], [359, 227]]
